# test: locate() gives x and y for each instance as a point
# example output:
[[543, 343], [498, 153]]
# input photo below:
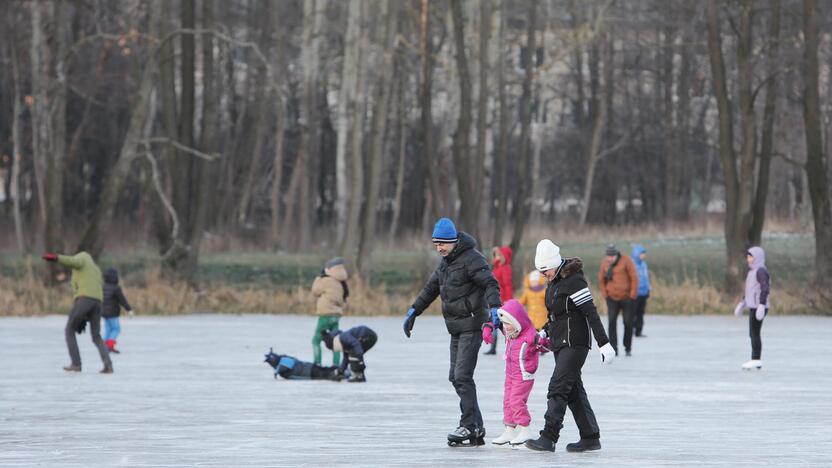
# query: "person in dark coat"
[[291, 368], [468, 289], [354, 343], [572, 323], [114, 300]]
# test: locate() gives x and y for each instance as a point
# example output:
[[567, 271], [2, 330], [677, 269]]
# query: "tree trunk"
[[500, 173], [816, 167], [346, 110], [17, 153], [401, 118], [482, 108], [464, 167], [94, 237], [40, 84], [767, 141], [378, 131], [426, 104], [521, 204]]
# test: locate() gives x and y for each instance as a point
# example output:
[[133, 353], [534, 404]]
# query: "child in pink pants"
[[523, 349]]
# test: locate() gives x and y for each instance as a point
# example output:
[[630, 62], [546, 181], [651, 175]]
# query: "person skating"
[[618, 281], [756, 302], [291, 368], [640, 259], [501, 269], [573, 320], [534, 298], [114, 300], [464, 282], [87, 294], [522, 355], [354, 343], [331, 292]]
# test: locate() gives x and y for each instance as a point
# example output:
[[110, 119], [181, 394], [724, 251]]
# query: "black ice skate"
[[357, 377], [464, 437], [584, 445]]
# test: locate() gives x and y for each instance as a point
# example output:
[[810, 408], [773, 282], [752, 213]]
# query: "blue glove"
[[409, 321], [495, 317]]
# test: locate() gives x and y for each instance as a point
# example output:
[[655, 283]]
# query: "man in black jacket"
[[468, 290], [572, 321]]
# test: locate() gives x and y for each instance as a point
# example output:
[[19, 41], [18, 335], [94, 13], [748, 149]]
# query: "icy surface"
[[193, 391]]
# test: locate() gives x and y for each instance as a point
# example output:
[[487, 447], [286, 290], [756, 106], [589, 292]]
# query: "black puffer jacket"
[[114, 298], [464, 281], [570, 310]]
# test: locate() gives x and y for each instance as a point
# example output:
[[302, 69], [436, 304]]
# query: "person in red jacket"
[[501, 261]]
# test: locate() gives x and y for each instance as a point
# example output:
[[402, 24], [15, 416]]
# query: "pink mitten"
[[488, 333]]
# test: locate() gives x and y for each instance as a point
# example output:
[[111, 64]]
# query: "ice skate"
[[506, 437], [521, 436], [106, 370], [464, 437], [357, 377], [72, 368], [584, 445], [754, 364]]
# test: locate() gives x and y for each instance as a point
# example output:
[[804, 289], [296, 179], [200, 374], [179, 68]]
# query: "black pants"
[[626, 309], [640, 308], [85, 310], [356, 363], [566, 389], [322, 372], [754, 327], [465, 348]]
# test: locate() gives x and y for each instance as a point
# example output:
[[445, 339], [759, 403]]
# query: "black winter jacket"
[[114, 298], [571, 312], [464, 281]]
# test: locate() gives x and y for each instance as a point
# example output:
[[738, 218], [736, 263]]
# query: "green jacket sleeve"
[[76, 262]]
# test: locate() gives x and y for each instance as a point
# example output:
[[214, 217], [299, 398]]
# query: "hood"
[[514, 312], [111, 276], [338, 272], [759, 257], [571, 266], [465, 242], [638, 249], [535, 281], [503, 254]]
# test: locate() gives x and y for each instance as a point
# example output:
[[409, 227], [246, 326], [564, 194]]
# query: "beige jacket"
[[328, 291]]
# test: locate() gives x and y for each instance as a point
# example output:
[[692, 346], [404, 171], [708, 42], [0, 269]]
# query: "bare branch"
[[181, 147]]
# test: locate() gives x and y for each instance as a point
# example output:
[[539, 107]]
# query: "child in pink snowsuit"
[[523, 349]]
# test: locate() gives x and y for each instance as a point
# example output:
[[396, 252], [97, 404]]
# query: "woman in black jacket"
[[572, 319]]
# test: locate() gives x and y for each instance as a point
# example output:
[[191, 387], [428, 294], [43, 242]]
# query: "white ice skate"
[[521, 436], [754, 364], [506, 437]]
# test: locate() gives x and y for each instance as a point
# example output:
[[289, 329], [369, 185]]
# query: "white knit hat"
[[547, 255]]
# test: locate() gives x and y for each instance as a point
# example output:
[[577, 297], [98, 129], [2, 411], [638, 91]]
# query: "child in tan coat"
[[331, 292]]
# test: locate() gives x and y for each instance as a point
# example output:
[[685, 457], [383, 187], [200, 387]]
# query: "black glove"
[[409, 321]]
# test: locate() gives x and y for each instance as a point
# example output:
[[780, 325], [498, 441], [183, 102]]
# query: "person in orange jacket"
[[534, 298], [501, 261], [618, 280]]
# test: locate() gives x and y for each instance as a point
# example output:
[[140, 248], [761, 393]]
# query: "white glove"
[[131, 312], [607, 353], [761, 312], [738, 309], [542, 333]]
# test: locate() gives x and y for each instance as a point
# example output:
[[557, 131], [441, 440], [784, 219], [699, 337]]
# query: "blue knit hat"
[[445, 231]]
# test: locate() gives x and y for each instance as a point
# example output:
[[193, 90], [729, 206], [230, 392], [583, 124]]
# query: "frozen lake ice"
[[193, 391]]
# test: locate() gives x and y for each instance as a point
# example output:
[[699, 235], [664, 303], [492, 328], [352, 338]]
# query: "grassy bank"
[[687, 274]]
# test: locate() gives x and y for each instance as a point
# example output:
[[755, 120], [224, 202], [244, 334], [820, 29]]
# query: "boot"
[[753, 364], [357, 377], [521, 436], [543, 443], [584, 445], [111, 345], [106, 370], [505, 437], [73, 368]]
